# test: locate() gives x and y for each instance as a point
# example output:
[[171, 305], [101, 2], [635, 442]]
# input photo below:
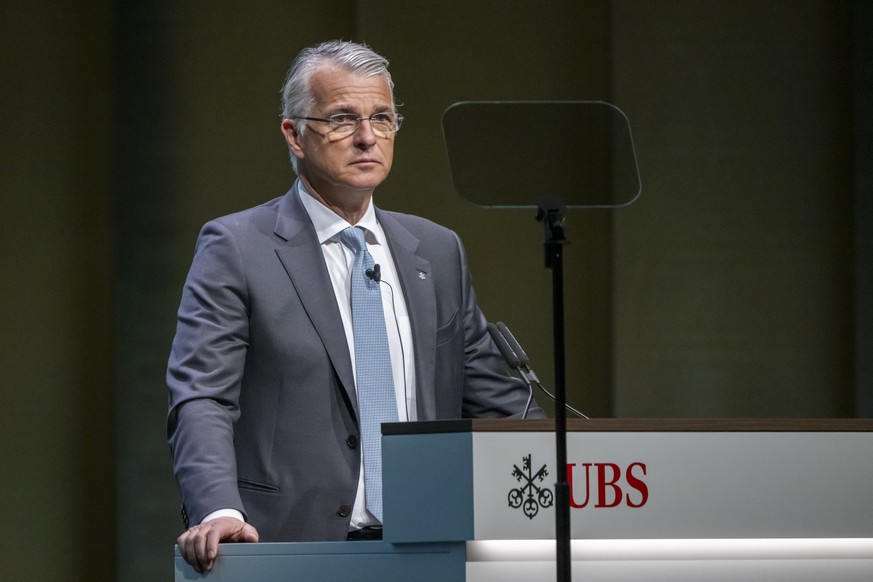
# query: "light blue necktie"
[[375, 384]]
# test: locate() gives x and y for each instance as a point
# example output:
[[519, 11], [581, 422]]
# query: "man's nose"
[[364, 135]]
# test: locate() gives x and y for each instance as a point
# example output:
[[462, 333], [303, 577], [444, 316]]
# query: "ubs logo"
[[613, 485], [598, 485], [530, 496]]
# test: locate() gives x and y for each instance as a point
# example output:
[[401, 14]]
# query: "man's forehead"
[[333, 85]]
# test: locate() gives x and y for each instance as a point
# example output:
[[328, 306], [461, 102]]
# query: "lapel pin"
[[422, 275]]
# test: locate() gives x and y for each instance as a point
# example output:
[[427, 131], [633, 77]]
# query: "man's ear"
[[292, 137]]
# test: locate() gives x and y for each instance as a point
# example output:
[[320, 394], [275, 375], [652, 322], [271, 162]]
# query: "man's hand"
[[199, 545]]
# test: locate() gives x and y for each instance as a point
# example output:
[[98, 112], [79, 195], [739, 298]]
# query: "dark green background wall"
[[738, 285]]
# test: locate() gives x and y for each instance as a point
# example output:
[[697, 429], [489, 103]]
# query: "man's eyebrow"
[[343, 109], [337, 110]]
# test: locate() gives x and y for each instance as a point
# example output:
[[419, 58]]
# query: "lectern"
[[472, 500]]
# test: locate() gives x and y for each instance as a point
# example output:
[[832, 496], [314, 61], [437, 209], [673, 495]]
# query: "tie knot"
[[353, 236]]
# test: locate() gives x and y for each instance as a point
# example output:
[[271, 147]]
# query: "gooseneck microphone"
[[517, 359], [511, 358], [523, 360], [505, 349], [375, 273]]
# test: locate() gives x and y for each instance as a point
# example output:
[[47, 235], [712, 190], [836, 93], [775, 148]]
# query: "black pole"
[[551, 213]]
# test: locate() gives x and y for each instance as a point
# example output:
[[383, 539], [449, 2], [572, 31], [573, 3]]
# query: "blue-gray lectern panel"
[[333, 562]]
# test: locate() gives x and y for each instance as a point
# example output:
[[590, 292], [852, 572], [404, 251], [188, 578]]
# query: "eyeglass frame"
[[398, 120]]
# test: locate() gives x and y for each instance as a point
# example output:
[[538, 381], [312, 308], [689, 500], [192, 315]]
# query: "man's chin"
[[367, 180]]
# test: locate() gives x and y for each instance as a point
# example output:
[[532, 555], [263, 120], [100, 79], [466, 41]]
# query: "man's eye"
[[385, 118], [344, 119]]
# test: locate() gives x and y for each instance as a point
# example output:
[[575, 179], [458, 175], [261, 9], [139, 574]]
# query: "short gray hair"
[[297, 99]]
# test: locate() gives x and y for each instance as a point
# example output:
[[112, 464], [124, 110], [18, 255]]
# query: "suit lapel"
[[414, 273], [303, 261]]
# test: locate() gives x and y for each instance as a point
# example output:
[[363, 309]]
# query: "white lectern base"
[[751, 560]]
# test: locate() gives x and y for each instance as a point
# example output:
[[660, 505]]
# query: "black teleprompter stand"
[[551, 214], [580, 149]]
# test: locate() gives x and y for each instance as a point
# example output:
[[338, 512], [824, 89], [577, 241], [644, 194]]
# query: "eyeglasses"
[[344, 124]]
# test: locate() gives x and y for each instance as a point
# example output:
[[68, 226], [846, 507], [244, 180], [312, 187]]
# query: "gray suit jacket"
[[262, 412]]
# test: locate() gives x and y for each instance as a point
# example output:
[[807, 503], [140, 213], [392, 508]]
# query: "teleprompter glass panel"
[[518, 153]]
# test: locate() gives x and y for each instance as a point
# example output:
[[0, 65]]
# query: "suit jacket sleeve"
[[204, 374]]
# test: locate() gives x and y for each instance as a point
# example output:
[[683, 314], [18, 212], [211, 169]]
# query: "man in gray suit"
[[263, 417]]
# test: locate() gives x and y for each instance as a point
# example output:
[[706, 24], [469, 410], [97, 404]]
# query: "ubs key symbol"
[[530, 496]]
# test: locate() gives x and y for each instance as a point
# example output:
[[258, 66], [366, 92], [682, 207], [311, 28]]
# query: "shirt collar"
[[328, 224]]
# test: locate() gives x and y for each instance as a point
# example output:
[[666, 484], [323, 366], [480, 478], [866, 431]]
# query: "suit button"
[[352, 441], [344, 511]]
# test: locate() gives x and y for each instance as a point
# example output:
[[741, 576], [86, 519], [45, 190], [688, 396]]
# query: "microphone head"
[[523, 360], [505, 350]]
